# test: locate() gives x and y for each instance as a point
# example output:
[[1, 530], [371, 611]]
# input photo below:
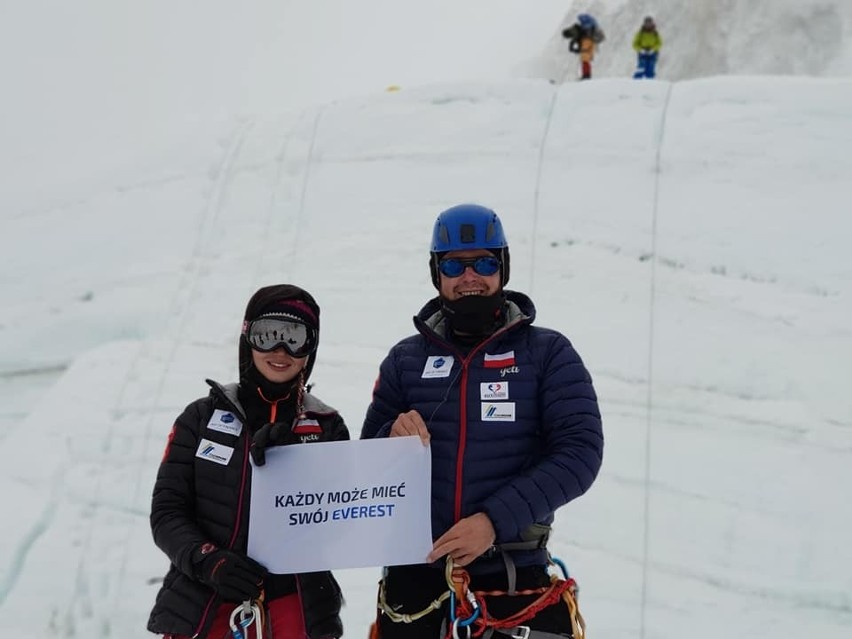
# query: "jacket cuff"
[[196, 556]]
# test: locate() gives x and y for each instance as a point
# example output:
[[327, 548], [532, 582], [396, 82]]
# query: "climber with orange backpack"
[[584, 36]]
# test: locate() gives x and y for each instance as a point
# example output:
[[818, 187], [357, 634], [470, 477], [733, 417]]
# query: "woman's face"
[[278, 366]]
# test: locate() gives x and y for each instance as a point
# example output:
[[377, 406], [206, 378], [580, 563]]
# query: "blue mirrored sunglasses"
[[454, 266]]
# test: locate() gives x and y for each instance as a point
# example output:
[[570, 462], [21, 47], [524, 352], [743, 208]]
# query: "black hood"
[[264, 299]]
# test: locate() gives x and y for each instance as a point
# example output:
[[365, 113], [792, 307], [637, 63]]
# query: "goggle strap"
[[284, 316]]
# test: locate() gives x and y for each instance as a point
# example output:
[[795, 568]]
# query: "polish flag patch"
[[307, 426], [500, 360]]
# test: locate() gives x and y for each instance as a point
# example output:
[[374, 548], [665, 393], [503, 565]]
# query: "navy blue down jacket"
[[514, 422]]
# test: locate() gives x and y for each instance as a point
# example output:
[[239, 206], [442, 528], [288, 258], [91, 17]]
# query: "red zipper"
[[462, 439], [462, 402], [465, 361]]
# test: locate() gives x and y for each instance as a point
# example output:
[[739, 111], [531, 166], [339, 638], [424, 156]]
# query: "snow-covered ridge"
[[715, 37]]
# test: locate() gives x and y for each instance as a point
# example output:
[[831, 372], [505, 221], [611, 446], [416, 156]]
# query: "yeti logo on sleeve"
[[214, 452], [438, 366], [225, 422]]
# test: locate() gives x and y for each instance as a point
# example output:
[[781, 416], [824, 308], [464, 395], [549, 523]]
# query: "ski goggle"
[[268, 333], [454, 266]]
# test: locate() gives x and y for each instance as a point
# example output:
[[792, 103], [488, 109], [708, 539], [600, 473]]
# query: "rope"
[[408, 618], [473, 611], [469, 610], [650, 373], [537, 193], [307, 176]]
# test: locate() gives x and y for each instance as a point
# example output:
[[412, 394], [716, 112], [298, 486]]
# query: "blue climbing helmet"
[[464, 227], [587, 21]]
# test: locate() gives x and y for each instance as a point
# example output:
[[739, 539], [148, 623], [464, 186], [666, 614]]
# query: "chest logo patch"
[[211, 451], [438, 366], [498, 411], [225, 422], [493, 390]]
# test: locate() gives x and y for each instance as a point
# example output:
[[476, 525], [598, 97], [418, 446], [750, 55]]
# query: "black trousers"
[[409, 589]]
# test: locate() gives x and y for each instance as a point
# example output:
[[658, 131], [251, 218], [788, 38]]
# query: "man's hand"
[[466, 540], [410, 423]]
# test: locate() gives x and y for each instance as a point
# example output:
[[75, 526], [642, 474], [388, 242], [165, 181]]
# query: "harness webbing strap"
[[533, 538], [511, 573]]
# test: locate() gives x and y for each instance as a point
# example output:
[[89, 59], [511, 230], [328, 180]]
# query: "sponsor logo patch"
[[225, 421], [211, 451], [494, 390], [438, 366], [498, 411]]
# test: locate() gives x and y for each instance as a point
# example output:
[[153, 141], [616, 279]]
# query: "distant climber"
[[584, 36], [647, 43]]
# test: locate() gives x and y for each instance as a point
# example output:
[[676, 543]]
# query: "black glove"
[[233, 576], [277, 434]]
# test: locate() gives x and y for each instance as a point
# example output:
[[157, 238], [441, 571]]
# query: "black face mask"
[[475, 314]]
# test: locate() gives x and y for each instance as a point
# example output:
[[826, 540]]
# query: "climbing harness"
[[249, 612], [469, 617], [469, 611]]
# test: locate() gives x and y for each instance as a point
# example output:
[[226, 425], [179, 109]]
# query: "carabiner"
[[249, 613], [456, 625]]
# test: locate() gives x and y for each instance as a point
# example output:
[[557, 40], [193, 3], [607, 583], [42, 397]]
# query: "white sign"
[[348, 504]]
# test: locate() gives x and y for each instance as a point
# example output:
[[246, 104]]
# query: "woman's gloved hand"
[[232, 575], [277, 434]]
